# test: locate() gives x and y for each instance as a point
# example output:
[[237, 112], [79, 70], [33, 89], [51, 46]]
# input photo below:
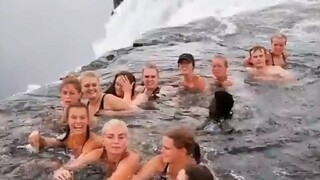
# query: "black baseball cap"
[[186, 56]]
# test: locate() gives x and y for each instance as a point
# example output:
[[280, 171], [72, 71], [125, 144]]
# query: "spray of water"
[[133, 17]]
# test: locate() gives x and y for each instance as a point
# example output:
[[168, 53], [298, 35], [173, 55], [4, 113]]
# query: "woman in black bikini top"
[[101, 101], [179, 150]]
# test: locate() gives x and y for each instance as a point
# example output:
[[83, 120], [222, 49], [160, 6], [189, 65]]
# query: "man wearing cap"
[[190, 81]]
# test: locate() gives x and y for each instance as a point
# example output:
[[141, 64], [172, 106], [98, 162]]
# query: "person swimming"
[[277, 56], [195, 172], [261, 72], [179, 149], [120, 162], [78, 140], [98, 101], [191, 81], [219, 67]]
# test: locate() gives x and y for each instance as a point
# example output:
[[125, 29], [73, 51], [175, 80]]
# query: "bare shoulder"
[[139, 89], [133, 156], [95, 141]]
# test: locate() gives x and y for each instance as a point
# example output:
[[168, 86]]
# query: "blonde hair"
[[223, 58], [89, 74], [279, 36], [114, 122]]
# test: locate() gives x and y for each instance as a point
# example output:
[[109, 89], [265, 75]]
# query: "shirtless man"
[[190, 81], [261, 71], [277, 56]]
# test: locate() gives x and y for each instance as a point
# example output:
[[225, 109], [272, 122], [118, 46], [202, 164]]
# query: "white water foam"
[[134, 17], [32, 87]]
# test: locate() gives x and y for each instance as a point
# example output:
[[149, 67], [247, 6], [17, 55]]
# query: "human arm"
[[84, 159], [39, 142], [149, 169], [126, 168], [247, 62]]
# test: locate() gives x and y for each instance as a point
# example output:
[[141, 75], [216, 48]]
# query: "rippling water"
[[278, 127]]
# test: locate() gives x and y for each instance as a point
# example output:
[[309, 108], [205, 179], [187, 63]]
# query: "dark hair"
[[75, 105], [221, 105], [196, 172], [73, 81], [129, 75], [224, 59], [183, 138], [279, 35]]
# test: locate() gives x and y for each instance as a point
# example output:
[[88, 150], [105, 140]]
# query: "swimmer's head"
[[221, 105], [90, 84], [278, 42], [150, 75], [115, 134], [78, 118], [258, 56], [70, 91], [116, 86], [179, 143], [219, 66], [186, 63], [195, 172]]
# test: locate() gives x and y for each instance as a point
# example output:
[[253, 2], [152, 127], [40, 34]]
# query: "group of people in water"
[[180, 157]]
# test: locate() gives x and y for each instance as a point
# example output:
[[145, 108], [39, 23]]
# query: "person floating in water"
[[78, 140], [119, 161], [179, 149], [262, 72], [195, 172], [277, 56], [219, 68], [191, 81]]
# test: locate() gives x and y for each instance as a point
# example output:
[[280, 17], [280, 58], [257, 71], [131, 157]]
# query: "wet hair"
[[183, 138], [92, 74], [257, 48], [196, 172], [224, 59], [131, 78], [113, 122], [279, 36], [221, 105], [75, 105], [73, 81], [150, 65]]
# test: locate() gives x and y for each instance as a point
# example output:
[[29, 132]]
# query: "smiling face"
[[78, 120], [218, 68], [90, 87], [69, 95], [185, 66], [169, 152], [118, 86], [116, 139], [278, 45], [150, 78]]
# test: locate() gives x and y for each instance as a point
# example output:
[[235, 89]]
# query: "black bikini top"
[[101, 106]]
